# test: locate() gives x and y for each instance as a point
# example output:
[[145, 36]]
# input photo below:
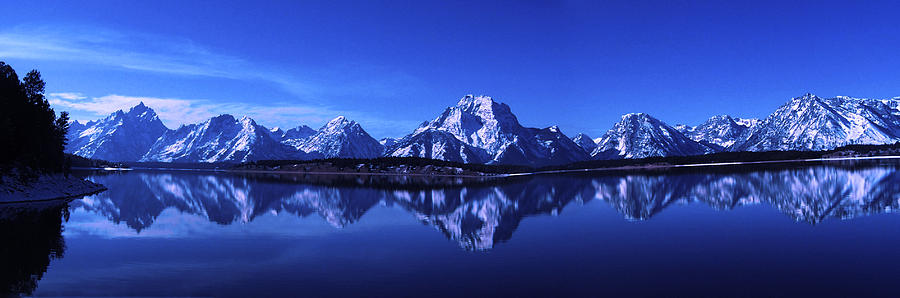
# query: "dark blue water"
[[821, 230]]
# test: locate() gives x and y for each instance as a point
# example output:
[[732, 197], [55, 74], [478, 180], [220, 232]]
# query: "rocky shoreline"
[[17, 189]]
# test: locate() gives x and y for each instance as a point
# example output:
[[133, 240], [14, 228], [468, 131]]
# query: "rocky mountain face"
[[139, 135], [219, 139], [639, 135], [295, 137], [342, 138], [558, 148], [121, 136], [479, 129], [720, 131], [276, 133], [585, 142], [810, 122], [388, 143], [480, 124], [441, 145]]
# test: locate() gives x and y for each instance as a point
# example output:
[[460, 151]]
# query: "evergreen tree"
[[31, 136]]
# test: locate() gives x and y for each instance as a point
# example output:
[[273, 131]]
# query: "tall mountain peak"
[[717, 118], [639, 135], [721, 130], [340, 138], [636, 115], [470, 100], [555, 129], [219, 139], [337, 120], [485, 125], [810, 122], [120, 136], [585, 142]]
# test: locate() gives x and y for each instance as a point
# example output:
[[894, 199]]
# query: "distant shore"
[[484, 175], [443, 171], [712, 164]]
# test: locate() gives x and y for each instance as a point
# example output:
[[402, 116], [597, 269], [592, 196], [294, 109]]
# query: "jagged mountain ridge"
[[721, 130], [585, 142], [810, 122], [139, 135], [481, 130], [480, 124], [219, 139], [121, 136], [441, 145], [342, 138], [295, 137], [639, 135]]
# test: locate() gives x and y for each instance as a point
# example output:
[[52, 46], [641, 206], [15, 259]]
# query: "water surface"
[[735, 231]]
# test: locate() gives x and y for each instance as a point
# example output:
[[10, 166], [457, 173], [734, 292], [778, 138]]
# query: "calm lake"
[[786, 230]]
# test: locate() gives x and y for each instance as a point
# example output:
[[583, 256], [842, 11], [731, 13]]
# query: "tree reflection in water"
[[32, 237]]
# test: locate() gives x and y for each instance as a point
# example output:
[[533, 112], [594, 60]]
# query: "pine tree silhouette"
[[31, 135]]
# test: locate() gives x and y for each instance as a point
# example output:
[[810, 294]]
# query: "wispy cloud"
[[142, 52], [316, 91], [180, 56]]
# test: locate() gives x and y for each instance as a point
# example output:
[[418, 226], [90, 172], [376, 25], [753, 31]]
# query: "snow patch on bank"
[[44, 187]]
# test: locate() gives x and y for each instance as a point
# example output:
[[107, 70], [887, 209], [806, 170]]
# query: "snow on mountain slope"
[[76, 127], [277, 133], [722, 130], [219, 139], [813, 123], [342, 138], [893, 103], [295, 137], [748, 122], [557, 147], [388, 142], [436, 144], [480, 122], [121, 136], [585, 142], [639, 135], [479, 129]]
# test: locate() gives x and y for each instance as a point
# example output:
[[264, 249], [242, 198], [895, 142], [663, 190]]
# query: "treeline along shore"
[[32, 139]]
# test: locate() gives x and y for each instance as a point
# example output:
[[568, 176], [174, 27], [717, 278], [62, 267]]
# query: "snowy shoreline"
[[368, 174], [45, 188]]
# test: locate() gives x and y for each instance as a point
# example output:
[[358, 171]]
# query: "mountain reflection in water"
[[479, 214]]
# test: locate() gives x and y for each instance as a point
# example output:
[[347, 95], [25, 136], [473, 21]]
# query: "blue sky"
[[391, 65]]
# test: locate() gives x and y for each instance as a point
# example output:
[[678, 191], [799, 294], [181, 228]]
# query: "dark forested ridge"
[[410, 165], [31, 135], [737, 157]]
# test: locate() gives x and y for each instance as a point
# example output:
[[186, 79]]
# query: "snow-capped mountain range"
[[639, 135], [221, 138], [341, 138], [121, 136], [814, 123], [479, 129], [721, 130]]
